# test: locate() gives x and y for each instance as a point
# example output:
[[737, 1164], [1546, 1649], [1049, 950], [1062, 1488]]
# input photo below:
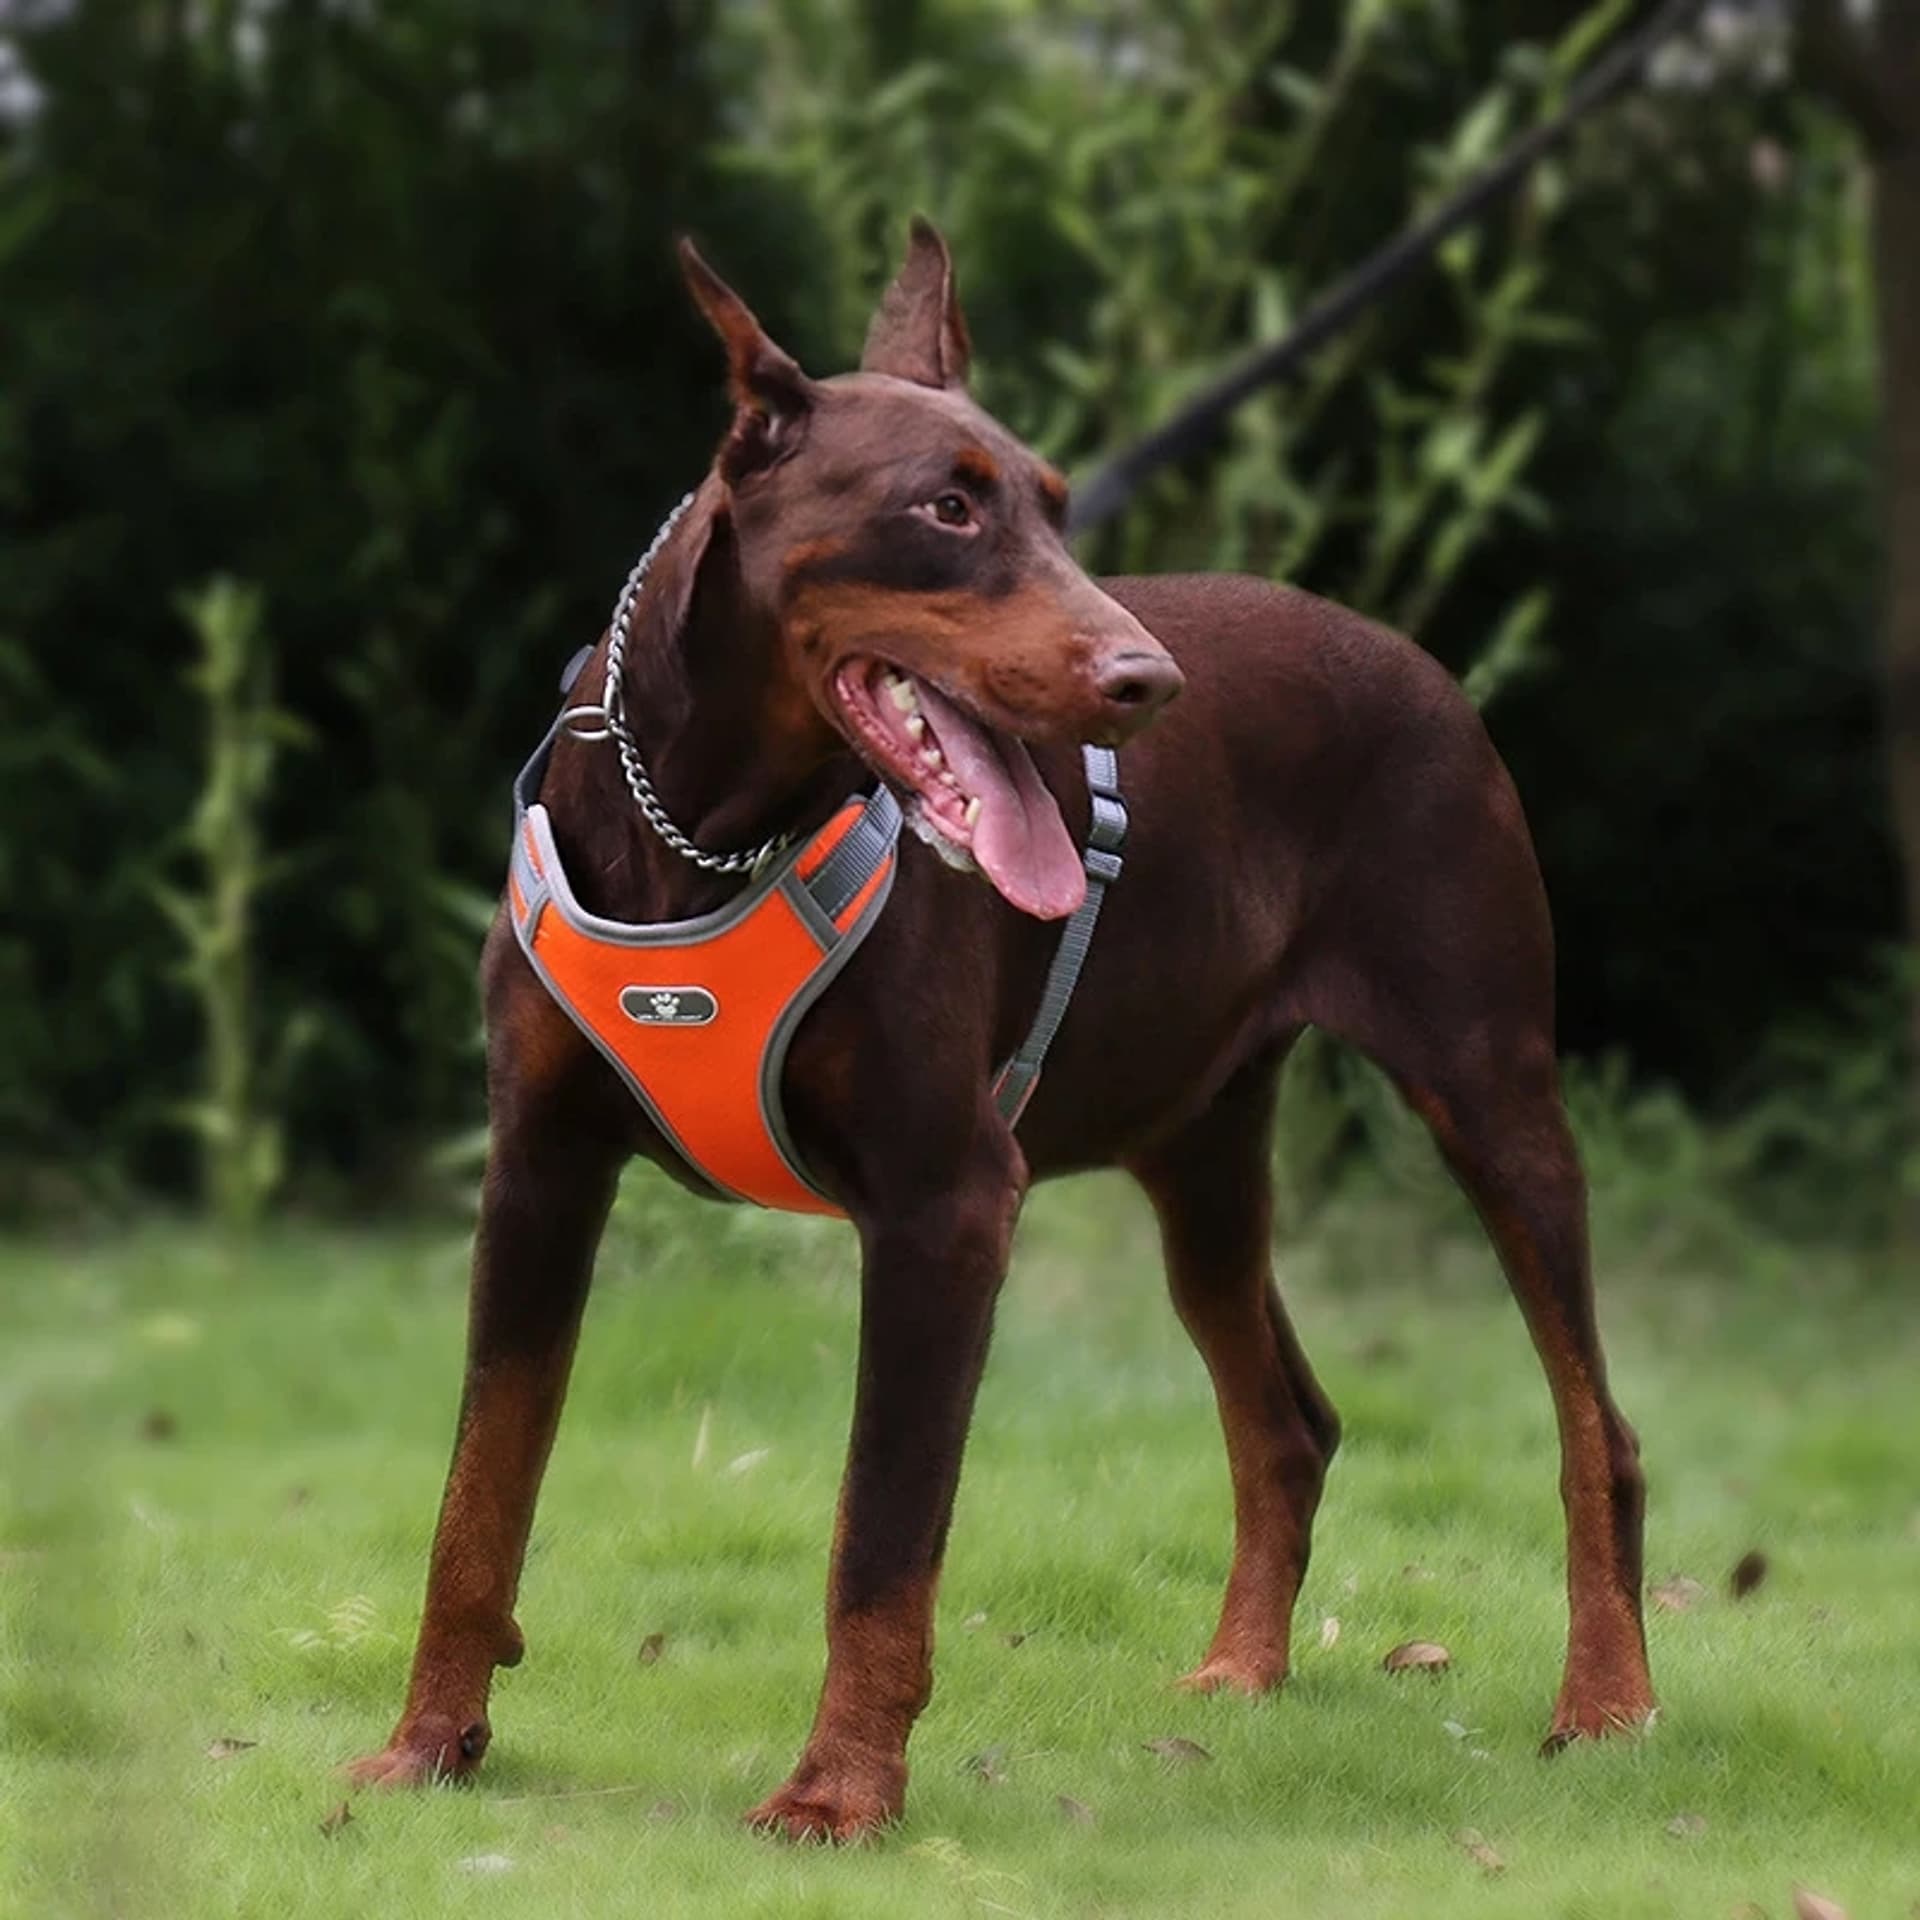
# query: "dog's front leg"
[[547, 1193], [929, 1279]]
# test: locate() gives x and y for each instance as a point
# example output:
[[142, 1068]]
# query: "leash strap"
[[1106, 835]]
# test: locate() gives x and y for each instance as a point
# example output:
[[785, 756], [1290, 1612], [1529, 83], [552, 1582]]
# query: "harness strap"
[[1106, 835], [862, 851]]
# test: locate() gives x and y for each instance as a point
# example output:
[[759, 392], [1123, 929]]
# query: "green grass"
[[220, 1473]]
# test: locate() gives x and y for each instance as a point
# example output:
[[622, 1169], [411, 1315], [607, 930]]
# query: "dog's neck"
[[735, 748]]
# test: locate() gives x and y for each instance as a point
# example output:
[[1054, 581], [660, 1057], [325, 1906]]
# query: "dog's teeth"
[[972, 813], [917, 725], [947, 779], [932, 756], [901, 693]]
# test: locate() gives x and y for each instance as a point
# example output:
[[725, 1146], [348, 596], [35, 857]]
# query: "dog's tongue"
[[1020, 841]]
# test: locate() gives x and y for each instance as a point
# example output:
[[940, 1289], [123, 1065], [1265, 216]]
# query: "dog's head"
[[911, 550]]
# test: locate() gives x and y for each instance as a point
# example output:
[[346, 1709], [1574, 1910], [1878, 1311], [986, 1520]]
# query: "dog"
[[1321, 835]]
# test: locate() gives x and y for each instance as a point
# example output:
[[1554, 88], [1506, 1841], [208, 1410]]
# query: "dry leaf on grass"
[[1177, 1750], [337, 1819], [1808, 1905], [1013, 1639], [1678, 1594], [1076, 1813], [1748, 1572], [1473, 1843], [1418, 1656], [1687, 1826], [651, 1648], [1329, 1633], [227, 1746], [989, 1766], [486, 1863], [974, 1622]]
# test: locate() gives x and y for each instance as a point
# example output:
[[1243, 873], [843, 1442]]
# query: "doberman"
[[1322, 836]]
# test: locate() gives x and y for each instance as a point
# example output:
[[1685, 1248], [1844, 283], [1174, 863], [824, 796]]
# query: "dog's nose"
[[1135, 684]]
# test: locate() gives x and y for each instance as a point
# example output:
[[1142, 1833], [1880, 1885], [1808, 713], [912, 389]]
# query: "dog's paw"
[[1591, 1720], [423, 1754], [1235, 1673], [837, 1803]]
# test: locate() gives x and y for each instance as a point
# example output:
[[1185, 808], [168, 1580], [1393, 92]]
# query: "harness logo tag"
[[668, 1006]]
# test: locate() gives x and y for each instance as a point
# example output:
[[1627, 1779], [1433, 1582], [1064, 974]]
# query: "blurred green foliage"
[[373, 309]]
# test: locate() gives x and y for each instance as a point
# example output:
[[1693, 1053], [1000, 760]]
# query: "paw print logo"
[[651, 1006]]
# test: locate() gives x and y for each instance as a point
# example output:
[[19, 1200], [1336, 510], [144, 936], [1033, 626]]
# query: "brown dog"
[[1322, 835]]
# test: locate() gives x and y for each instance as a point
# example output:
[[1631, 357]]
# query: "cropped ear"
[[919, 332], [771, 396]]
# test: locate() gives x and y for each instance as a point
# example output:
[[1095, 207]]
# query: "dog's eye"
[[952, 509]]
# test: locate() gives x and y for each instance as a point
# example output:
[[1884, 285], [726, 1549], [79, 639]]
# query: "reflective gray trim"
[[619, 1066], [668, 933], [773, 1061], [533, 889], [801, 900]]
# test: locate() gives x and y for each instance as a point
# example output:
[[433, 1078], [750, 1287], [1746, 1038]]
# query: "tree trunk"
[[1896, 250]]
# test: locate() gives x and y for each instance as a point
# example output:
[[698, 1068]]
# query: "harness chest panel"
[[696, 1015]]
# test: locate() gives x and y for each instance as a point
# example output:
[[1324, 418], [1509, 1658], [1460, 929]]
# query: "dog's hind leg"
[[1211, 1185], [1438, 964], [546, 1196], [1504, 1132]]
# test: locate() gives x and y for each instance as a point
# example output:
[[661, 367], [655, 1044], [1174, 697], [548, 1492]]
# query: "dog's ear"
[[919, 332], [771, 396]]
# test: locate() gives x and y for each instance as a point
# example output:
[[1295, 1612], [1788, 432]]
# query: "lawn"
[[220, 1473]]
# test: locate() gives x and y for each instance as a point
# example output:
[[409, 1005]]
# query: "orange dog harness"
[[696, 1015]]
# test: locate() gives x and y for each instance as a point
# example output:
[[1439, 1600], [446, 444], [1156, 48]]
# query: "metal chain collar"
[[608, 721]]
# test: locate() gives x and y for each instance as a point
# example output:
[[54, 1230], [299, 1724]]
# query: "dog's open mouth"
[[974, 790]]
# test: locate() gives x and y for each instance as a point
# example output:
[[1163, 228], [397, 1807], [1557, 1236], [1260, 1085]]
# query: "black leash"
[[1196, 424]]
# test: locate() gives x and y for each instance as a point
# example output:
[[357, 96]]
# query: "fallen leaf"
[[1013, 1639], [1076, 1813], [989, 1766], [1424, 1656], [1473, 1843], [337, 1819], [486, 1863], [1687, 1826], [159, 1424], [1413, 1570], [1329, 1633], [746, 1462], [1177, 1750], [1454, 1730], [1678, 1594], [664, 1810], [226, 1747], [974, 1622], [1748, 1572], [1808, 1905], [651, 1648]]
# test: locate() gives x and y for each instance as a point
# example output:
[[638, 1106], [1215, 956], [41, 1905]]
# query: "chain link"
[[611, 717]]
